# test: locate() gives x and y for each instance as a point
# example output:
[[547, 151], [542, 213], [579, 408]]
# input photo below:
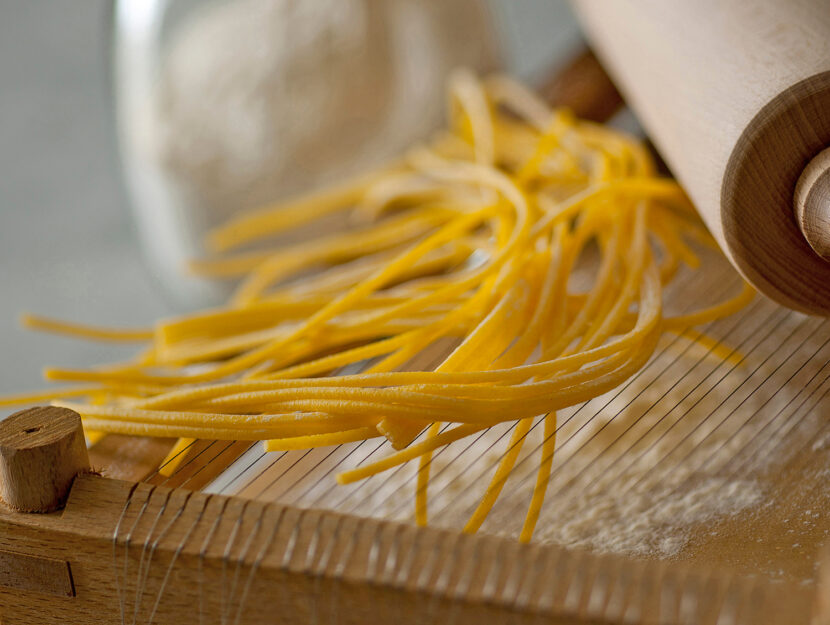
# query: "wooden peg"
[[812, 203], [41, 451], [582, 85]]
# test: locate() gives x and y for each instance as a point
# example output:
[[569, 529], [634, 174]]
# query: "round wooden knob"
[[812, 203], [41, 452]]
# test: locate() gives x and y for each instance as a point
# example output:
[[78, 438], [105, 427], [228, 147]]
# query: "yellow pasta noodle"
[[509, 267]]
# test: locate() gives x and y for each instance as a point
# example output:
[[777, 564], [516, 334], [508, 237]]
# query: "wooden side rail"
[[182, 556]]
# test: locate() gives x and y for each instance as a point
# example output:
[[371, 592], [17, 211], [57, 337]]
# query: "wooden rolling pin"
[[736, 96]]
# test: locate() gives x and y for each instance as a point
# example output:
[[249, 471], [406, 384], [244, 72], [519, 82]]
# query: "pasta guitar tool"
[[692, 490]]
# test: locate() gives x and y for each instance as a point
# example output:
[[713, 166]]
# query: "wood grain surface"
[[189, 557], [812, 203]]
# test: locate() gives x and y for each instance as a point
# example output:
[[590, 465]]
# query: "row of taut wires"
[[723, 408]]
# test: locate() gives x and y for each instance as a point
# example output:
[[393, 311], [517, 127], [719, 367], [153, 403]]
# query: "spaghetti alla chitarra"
[[475, 238]]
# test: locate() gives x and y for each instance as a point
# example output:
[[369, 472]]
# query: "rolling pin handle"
[[41, 451], [812, 203]]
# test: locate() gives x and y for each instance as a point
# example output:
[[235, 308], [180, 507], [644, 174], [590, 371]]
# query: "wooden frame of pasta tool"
[[181, 555], [93, 549]]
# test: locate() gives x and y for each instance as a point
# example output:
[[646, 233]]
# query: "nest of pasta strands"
[[472, 238]]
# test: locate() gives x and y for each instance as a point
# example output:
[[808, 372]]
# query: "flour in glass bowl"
[[241, 102]]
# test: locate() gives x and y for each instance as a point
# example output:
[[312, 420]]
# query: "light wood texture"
[[130, 458], [793, 528], [41, 452], [812, 203], [185, 557], [736, 96]]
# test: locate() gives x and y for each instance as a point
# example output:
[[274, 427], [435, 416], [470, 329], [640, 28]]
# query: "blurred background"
[[110, 171]]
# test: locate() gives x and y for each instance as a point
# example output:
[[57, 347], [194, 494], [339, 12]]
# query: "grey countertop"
[[67, 247]]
